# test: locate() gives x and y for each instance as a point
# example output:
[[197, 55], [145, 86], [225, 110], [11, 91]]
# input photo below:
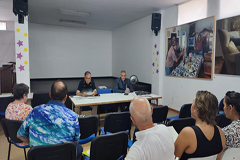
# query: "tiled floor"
[[18, 154]]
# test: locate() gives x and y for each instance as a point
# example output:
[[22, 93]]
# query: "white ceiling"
[[105, 14]]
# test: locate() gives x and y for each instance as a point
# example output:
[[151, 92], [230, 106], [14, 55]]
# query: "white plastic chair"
[[231, 154]]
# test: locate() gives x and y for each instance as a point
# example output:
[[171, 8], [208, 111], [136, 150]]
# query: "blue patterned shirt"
[[50, 123]]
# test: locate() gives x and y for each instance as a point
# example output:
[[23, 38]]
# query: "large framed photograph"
[[189, 49], [227, 54]]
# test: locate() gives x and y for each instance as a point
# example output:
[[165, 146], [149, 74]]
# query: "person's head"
[[205, 107], [199, 36], [58, 91], [232, 105], [20, 92], [141, 112], [87, 77], [175, 45], [123, 75]]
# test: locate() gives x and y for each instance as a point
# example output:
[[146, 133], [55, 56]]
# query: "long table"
[[110, 98]]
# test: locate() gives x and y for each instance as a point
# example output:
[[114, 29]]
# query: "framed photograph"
[[227, 54], [189, 49]]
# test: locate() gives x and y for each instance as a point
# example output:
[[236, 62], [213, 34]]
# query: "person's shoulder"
[[81, 81], [117, 80], [28, 106], [10, 105], [70, 112], [187, 131]]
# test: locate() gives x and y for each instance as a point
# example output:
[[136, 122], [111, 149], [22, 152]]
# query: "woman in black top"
[[205, 138]]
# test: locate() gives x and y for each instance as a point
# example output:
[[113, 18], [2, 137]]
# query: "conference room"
[[62, 40]]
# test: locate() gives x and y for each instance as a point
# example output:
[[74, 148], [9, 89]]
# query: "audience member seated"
[[51, 123], [154, 142], [123, 85], [205, 138], [18, 110], [232, 111]]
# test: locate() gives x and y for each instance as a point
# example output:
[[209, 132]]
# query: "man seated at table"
[[154, 141], [52, 123], [123, 85], [87, 87]]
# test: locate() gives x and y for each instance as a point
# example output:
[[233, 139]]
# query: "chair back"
[[88, 126], [221, 105], [40, 98], [104, 91], [231, 154], [111, 146], [10, 128], [222, 120], [213, 157], [185, 111], [179, 124], [160, 114], [116, 122], [63, 151]]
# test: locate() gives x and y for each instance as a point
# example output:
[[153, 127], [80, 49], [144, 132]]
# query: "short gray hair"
[[123, 71]]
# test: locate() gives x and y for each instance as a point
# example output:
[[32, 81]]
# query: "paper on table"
[[87, 152]]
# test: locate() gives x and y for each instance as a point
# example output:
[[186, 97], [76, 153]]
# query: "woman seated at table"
[[205, 138], [18, 110], [232, 111]]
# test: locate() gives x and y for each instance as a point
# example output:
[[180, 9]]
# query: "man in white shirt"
[[154, 142]]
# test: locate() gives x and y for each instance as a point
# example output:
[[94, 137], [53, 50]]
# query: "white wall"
[[22, 64], [10, 25], [177, 91], [7, 47], [132, 50], [58, 52]]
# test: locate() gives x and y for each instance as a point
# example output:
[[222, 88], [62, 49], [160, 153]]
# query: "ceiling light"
[[74, 12], [72, 22]]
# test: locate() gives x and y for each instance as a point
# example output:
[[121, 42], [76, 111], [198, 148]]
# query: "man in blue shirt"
[[122, 84], [52, 123]]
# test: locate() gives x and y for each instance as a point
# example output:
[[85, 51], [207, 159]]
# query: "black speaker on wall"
[[156, 23], [20, 8]]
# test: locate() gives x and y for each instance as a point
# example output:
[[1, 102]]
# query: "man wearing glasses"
[[86, 88]]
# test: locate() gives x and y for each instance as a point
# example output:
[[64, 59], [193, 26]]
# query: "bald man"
[[52, 123], [154, 142]]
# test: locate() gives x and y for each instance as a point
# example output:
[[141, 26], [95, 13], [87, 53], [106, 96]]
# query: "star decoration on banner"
[[157, 71], [153, 53], [18, 30], [157, 53], [153, 64], [153, 72], [156, 59], [157, 65], [155, 46], [25, 34], [20, 43], [21, 68], [26, 62], [25, 49], [19, 55]]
